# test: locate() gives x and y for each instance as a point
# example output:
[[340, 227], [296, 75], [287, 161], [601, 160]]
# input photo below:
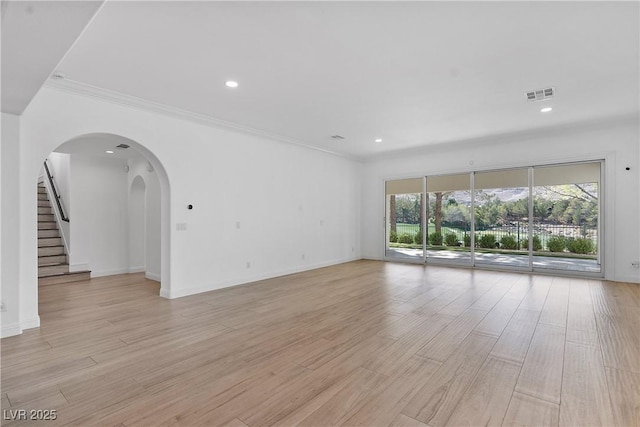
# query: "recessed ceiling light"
[[378, 139], [231, 84], [546, 109], [109, 152]]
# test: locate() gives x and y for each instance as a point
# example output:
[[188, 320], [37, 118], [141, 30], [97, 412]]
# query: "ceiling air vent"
[[58, 75], [122, 146], [541, 94], [337, 137]]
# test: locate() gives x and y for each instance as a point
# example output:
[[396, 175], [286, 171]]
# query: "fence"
[[518, 230]]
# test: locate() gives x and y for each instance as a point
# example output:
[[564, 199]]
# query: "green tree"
[[455, 213], [393, 218]]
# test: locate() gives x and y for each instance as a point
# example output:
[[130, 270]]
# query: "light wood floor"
[[363, 343]]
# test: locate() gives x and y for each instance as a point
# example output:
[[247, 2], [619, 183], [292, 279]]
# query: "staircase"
[[53, 266]]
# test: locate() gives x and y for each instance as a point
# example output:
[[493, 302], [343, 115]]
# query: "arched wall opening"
[[144, 222], [141, 229]]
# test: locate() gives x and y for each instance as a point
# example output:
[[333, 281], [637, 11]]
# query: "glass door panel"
[[449, 218], [566, 217], [403, 236], [501, 213]]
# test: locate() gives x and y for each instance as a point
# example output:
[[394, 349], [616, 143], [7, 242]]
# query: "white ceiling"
[[98, 144], [411, 73], [35, 37]]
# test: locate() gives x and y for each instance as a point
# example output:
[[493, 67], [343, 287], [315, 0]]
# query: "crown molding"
[[507, 137], [83, 89]]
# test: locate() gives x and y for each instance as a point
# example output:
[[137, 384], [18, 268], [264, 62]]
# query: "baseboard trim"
[[137, 269], [109, 272], [171, 294], [10, 330], [152, 276], [30, 323], [626, 279], [17, 328], [78, 267]]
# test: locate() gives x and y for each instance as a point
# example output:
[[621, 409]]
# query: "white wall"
[[289, 200], [136, 225], [99, 212], [153, 230], [10, 229], [615, 141]]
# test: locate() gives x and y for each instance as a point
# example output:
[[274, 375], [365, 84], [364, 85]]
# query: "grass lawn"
[[412, 229]]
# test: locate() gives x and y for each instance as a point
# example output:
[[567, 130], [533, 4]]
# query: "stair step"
[[51, 250], [45, 217], [42, 190], [44, 203], [51, 260], [43, 197], [49, 241], [52, 270], [47, 225], [44, 210], [52, 232], [77, 276]]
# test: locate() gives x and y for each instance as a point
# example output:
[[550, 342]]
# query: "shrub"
[[467, 240], [580, 246], [393, 236], [405, 238], [418, 237], [451, 239], [537, 243], [435, 239], [557, 244], [487, 241], [509, 242]]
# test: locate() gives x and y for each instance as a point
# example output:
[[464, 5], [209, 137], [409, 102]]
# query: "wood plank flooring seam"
[[536, 397], [65, 397]]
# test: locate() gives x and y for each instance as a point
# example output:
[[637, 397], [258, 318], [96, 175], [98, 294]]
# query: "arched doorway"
[[128, 217]]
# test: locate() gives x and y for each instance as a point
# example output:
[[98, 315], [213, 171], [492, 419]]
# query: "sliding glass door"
[[404, 219], [566, 201], [501, 200], [539, 218], [449, 218]]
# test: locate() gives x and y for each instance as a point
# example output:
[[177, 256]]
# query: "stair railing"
[[56, 195]]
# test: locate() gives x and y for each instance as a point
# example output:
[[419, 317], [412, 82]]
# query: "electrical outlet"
[[248, 264], [238, 225], [303, 257]]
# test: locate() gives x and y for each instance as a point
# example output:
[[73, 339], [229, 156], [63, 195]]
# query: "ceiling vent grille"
[[122, 146], [337, 137], [541, 94]]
